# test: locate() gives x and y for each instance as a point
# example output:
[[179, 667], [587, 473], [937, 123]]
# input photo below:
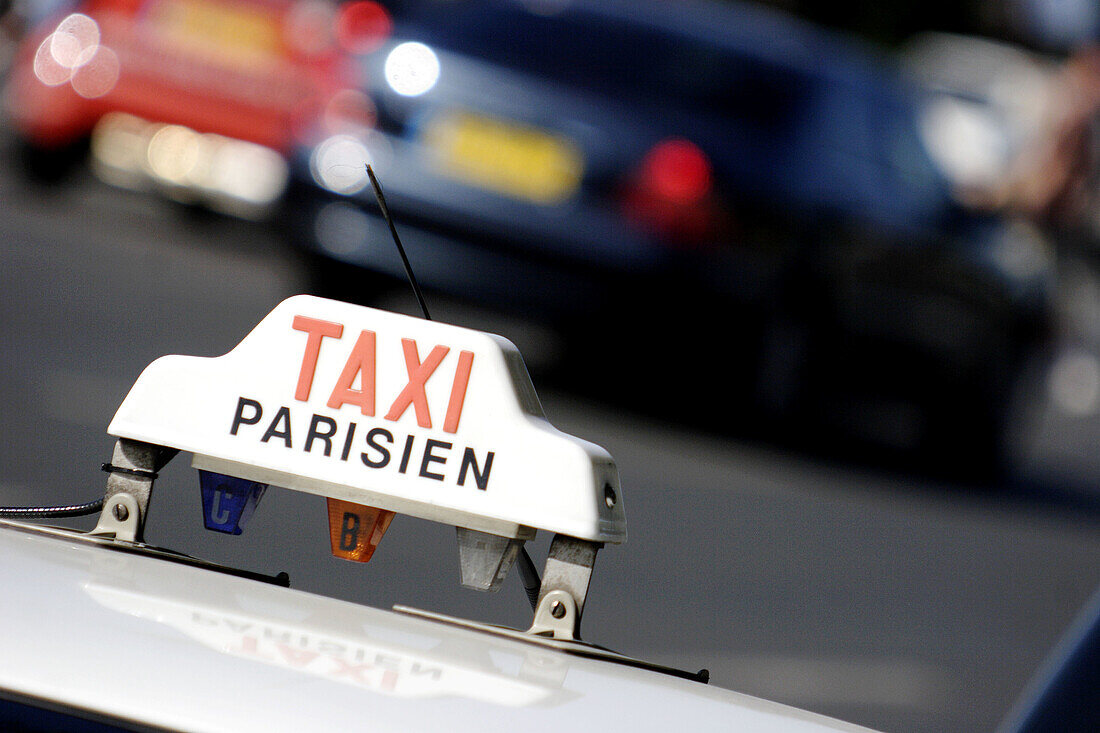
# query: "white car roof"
[[164, 644]]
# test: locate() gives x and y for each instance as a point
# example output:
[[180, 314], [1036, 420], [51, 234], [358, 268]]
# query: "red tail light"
[[363, 26], [677, 170], [671, 193]]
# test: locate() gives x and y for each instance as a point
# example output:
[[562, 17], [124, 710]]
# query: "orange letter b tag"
[[355, 530]]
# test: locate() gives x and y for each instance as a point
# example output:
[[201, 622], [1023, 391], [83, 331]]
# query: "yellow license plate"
[[514, 160], [235, 34]]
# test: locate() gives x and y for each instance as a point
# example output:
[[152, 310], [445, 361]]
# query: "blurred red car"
[[202, 97]]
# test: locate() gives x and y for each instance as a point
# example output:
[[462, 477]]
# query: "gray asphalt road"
[[897, 603]]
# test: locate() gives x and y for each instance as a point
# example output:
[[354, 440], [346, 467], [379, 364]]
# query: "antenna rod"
[[397, 240], [528, 573]]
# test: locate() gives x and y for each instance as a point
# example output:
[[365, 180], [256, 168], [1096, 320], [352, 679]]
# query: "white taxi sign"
[[414, 416]]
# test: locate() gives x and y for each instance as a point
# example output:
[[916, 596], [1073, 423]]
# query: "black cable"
[[138, 472], [41, 512]]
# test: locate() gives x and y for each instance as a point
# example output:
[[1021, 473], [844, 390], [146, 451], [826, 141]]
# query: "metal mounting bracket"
[[564, 587], [132, 470], [120, 519]]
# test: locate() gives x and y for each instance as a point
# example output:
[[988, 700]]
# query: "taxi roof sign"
[[412, 416]]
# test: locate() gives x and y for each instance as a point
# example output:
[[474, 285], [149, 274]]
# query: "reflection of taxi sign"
[[381, 414], [408, 664]]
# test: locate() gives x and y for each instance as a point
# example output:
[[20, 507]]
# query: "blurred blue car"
[[742, 197]]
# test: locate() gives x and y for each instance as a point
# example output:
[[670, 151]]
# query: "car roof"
[[145, 641]]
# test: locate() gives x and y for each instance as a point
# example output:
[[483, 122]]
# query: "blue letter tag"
[[228, 502]]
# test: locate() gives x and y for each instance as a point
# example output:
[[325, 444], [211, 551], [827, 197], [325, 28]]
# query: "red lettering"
[[249, 646], [317, 330], [297, 657], [360, 362], [351, 670], [413, 394], [458, 391]]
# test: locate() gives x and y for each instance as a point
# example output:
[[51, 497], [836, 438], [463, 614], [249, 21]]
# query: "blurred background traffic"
[[825, 279]]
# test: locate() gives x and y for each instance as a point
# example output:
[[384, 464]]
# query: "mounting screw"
[[609, 497], [121, 512], [557, 609]]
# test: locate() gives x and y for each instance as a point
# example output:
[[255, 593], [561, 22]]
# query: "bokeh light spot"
[[412, 69]]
